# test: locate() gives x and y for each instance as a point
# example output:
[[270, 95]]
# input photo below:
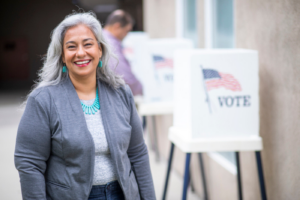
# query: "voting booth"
[[157, 63], [216, 93], [158, 67], [134, 49], [216, 107], [152, 62]]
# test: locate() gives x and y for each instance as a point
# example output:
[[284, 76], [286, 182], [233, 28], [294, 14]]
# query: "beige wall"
[[200, 23], [273, 28], [159, 18]]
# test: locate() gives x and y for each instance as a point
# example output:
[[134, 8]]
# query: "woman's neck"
[[85, 87]]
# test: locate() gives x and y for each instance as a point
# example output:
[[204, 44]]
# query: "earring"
[[64, 69], [100, 64]]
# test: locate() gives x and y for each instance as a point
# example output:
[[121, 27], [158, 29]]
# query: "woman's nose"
[[80, 51]]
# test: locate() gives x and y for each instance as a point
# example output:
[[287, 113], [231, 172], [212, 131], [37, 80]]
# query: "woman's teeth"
[[83, 62]]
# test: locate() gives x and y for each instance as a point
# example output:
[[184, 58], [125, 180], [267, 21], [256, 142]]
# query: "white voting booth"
[[160, 66], [158, 69], [216, 99], [216, 105], [152, 61]]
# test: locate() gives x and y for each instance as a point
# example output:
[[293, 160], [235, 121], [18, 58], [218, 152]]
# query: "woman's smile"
[[82, 63]]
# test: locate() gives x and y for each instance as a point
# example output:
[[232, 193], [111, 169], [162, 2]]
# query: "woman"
[[80, 136]]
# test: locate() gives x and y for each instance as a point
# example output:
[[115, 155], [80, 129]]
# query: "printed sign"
[[214, 80], [219, 89], [163, 68]]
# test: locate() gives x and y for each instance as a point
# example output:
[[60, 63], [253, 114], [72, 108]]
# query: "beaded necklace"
[[92, 109]]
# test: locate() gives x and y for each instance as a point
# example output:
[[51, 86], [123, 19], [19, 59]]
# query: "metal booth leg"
[[186, 175], [168, 171], [203, 176], [155, 138], [261, 176], [237, 157], [192, 184]]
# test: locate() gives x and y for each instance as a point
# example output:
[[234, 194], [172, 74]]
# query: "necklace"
[[92, 109]]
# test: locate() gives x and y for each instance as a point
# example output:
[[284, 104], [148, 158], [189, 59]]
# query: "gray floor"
[[10, 115]]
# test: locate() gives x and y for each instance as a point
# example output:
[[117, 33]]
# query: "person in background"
[[117, 26]]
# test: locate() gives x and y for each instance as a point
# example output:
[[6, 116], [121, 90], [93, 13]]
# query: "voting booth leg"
[[261, 176], [237, 157], [192, 184], [203, 176], [186, 175], [168, 171], [155, 138]]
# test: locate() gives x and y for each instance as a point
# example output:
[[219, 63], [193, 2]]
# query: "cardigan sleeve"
[[33, 149], [138, 153]]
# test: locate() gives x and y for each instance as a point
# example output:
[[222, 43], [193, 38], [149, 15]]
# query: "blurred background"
[[271, 27]]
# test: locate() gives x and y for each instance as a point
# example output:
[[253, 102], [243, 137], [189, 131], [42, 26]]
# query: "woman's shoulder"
[[43, 90], [42, 94]]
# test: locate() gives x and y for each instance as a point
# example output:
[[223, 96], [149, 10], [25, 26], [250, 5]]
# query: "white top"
[[197, 145], [104, 170]]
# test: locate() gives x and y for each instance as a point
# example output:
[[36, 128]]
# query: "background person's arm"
[[128, 76], [33, 149], [123, 68], [138, 153]]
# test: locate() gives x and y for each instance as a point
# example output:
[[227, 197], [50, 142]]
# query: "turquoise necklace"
[[92, 109]]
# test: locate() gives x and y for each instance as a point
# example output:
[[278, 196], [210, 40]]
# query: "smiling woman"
[[81, 54], [80, 136]]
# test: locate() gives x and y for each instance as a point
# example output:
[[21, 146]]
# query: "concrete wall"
[[273, 28], [159, 18], [200, 23]]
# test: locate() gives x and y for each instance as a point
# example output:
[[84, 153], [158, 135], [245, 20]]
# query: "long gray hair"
[[51, 72]]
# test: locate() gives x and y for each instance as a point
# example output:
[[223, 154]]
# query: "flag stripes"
[[161, 62], [227, 81]]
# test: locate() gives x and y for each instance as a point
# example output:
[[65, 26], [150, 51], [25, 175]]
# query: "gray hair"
[[51, 72]]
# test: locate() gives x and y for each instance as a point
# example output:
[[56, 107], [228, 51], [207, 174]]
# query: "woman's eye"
[[88, 44], [71, 47]]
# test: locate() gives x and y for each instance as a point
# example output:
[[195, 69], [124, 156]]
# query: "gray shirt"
[[104, 170]]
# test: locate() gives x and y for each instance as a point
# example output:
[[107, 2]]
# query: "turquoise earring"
[[64, 69], [100, 64]]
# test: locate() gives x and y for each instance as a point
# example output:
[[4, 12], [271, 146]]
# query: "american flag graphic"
[[161, 62], [214, 79]]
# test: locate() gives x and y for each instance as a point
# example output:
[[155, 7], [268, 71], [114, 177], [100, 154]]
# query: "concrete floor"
[[10, 115]]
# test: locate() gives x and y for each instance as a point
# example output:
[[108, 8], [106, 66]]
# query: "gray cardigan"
[[55, 151]]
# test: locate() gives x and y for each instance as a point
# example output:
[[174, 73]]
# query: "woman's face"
[[81, 52]]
